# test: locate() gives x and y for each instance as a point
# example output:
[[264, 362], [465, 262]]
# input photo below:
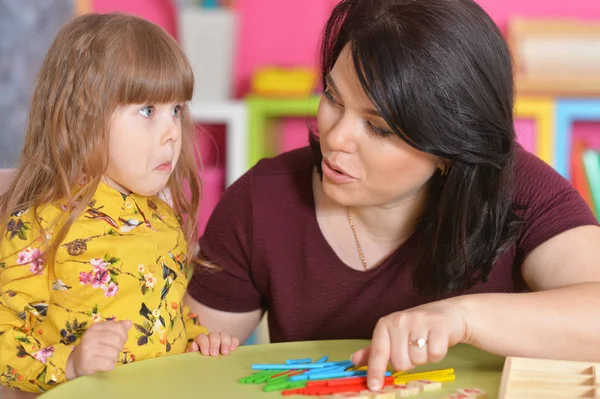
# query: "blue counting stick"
[[299, 377], [299, 361], [304, 376], [328, 370], [347, 363], [338, 374], [326, 376], [332, 369], [292, 366], [323, 359]]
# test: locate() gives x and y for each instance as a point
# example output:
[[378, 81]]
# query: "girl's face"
[[364, 162], [144, 146]]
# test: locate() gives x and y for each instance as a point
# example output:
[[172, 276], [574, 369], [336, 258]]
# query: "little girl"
[[93, 263]]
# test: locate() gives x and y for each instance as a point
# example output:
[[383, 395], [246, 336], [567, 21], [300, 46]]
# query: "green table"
[[192, 375]]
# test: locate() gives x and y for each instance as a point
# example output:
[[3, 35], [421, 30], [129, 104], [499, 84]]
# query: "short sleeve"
[[546, 202], [227, 243]]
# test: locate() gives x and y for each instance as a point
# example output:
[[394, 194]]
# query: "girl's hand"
[[415, 336], [99, 348], [213, 343]]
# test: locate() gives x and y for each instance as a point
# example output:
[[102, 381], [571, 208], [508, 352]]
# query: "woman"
[[414, 218]]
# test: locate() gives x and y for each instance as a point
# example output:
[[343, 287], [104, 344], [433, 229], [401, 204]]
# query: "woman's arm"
[[239, 325], [559, 320]]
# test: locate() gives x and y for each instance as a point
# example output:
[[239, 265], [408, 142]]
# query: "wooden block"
[[456, 396], [384, 394], [348, 395], [540, 377], [473, 393], [518, 389], [426, 385], [557, 366], [406, 390]]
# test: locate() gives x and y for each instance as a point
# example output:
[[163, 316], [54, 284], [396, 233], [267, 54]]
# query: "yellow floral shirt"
[[121, 260]]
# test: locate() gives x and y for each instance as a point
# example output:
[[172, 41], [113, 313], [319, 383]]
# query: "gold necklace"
[[358, 247]]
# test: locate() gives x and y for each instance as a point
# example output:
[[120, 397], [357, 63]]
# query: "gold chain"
[[358, 247]]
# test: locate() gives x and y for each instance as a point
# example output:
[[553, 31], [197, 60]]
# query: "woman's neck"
[[393, 222]]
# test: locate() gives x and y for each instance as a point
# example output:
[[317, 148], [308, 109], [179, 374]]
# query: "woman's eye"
[[147, 111], [377, 131], [327, 94]]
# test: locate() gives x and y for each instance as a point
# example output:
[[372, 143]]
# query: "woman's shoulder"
[[276, 186], [535, 179], [288, 163], [279, 176], [542, 193]]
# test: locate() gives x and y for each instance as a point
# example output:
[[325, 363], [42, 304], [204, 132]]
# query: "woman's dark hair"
[[440, 74]]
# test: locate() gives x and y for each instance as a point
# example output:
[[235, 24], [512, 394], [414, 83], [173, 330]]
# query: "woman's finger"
[[437, 347], [379, 356], [225, 340], [215, 343], [418, 344], [203, 344], [400, 357]]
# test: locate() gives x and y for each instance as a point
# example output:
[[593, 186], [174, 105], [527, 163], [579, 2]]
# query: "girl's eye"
[[177, 110], [147, 111]]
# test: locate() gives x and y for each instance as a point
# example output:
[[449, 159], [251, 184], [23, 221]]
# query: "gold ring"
[[419, 343]]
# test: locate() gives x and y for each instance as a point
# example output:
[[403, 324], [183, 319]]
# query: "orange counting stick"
[[357, 380], [284, 373], [296, 372]]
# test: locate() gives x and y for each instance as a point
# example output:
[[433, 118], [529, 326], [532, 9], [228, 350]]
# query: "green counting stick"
[[251, 379]]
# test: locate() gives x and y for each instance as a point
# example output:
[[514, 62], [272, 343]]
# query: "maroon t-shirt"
[[264, 234]]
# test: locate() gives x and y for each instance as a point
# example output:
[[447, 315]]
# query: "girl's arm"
[[27, 361]]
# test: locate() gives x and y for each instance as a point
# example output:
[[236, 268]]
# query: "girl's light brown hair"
[[96, 64]]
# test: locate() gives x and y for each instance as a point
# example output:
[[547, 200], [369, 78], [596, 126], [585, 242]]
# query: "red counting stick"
[[356, 380]]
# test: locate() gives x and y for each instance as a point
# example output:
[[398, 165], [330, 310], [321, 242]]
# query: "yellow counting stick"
[[401, 380], [364, 368], [425, 374]]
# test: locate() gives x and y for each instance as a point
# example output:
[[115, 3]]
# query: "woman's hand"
[[213, 344], [415, 336]]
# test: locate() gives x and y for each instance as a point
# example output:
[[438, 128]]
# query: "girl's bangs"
[[153, 69]]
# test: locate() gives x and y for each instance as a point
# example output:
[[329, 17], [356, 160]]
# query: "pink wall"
[[277, 33], [161, 12], [286, 32], [502, 10]]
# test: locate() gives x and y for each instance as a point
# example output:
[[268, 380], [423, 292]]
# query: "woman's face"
[[364, 162]]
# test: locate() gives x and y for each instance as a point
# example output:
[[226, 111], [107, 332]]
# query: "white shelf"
[[233, 114]]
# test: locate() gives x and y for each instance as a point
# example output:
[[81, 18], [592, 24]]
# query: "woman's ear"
[[444, 167]]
